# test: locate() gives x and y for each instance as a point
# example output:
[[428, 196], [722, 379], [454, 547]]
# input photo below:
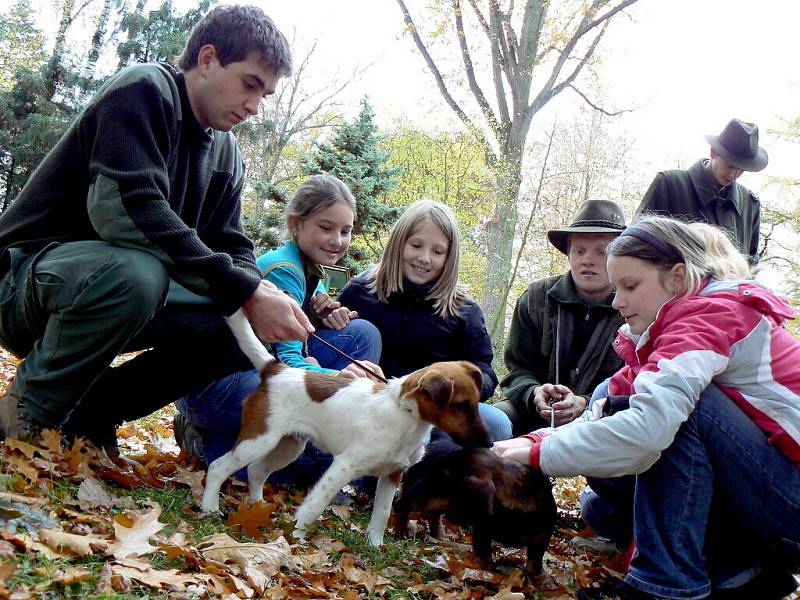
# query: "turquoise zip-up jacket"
[[288, 269]]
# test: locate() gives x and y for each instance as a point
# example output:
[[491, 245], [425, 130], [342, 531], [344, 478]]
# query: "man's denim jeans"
[[709, 510]]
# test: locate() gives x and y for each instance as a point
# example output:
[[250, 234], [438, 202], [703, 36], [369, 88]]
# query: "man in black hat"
[[559, 345], [707, 191]]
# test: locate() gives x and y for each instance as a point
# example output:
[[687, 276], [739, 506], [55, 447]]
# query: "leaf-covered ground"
[[75, 524]]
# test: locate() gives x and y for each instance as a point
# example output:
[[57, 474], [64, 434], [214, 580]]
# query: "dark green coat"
[[694, 195], [530, 357]]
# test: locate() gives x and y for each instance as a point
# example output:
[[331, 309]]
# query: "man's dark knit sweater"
[[136, 169]]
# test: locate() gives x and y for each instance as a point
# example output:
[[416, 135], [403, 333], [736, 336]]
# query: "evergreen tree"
[[159, 36], [29, 122], [355, 156], [23, 44]]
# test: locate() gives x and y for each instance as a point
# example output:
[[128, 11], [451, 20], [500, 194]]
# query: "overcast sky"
[[688, 65]]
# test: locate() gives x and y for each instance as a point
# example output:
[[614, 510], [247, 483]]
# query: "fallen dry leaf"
[[23, 466], [133, 540], [175, 551], [146, 574], [31, 544], [506, 594], [194, 479], [92, 495], [51, 440], [77, 544], [251, 518], [25, 448], [73, 575], [341, 511], [20, 498], [258, 562], [104, 586]]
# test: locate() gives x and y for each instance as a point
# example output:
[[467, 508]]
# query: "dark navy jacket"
[[414, 337]]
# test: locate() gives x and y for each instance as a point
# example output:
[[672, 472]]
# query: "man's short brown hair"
[[235, 32]]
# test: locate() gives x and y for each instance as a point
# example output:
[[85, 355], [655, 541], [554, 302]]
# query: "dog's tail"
[[249, 343]]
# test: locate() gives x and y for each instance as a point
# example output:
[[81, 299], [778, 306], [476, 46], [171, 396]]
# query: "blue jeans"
[[607, 504], [708, 511], [497, 422], [216, 410]]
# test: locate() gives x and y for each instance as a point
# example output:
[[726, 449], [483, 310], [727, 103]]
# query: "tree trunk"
[[55, 68], [133, 31], [97, 41], [9, 179], [505, 122], [500, 241]]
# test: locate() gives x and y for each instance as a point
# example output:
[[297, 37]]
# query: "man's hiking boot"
[[188, 437], [103, 437], [15, 421]]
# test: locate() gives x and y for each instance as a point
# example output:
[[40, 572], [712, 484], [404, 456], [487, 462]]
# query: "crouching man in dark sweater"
[[128, 236]]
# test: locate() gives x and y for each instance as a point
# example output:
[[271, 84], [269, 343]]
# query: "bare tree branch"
[[581, 63], [468, 122], [532, 22], [500, 63], [469, 70], [481, 21], [526, 230], [550, 89], [599, 108]]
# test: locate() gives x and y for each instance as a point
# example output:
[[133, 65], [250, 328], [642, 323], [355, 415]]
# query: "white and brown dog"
[[370, 428]]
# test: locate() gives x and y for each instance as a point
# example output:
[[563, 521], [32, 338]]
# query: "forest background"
[[511, 113]]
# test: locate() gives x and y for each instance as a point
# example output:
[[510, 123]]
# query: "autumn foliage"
[[76, 523]]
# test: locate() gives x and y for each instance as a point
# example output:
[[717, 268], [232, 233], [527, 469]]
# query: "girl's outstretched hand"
[[517, 449]]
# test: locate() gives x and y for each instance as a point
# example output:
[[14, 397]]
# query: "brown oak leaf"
[[250, 518], [133, 540], [77, 544]]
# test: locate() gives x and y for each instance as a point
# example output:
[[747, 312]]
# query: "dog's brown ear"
[[438, 387], [475, 373]]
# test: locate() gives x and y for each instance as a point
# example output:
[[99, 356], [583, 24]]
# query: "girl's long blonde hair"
[[387, 275]]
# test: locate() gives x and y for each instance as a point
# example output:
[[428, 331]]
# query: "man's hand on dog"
[[353, 371], [567, 405], [275, 316]]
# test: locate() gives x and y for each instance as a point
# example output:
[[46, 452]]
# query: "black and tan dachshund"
[[499, 499]]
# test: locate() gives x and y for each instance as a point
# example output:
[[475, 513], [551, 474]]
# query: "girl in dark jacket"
[[413, 297]]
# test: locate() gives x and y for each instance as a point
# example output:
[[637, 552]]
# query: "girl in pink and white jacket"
[[710, 428]]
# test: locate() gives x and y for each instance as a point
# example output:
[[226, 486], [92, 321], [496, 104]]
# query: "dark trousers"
[[70, 309]]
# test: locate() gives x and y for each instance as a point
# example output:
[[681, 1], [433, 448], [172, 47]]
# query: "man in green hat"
[[708, 190], [559, 345]]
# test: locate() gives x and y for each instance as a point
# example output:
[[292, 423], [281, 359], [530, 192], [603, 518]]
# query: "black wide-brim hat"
[[593, 216], [737, 144]]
